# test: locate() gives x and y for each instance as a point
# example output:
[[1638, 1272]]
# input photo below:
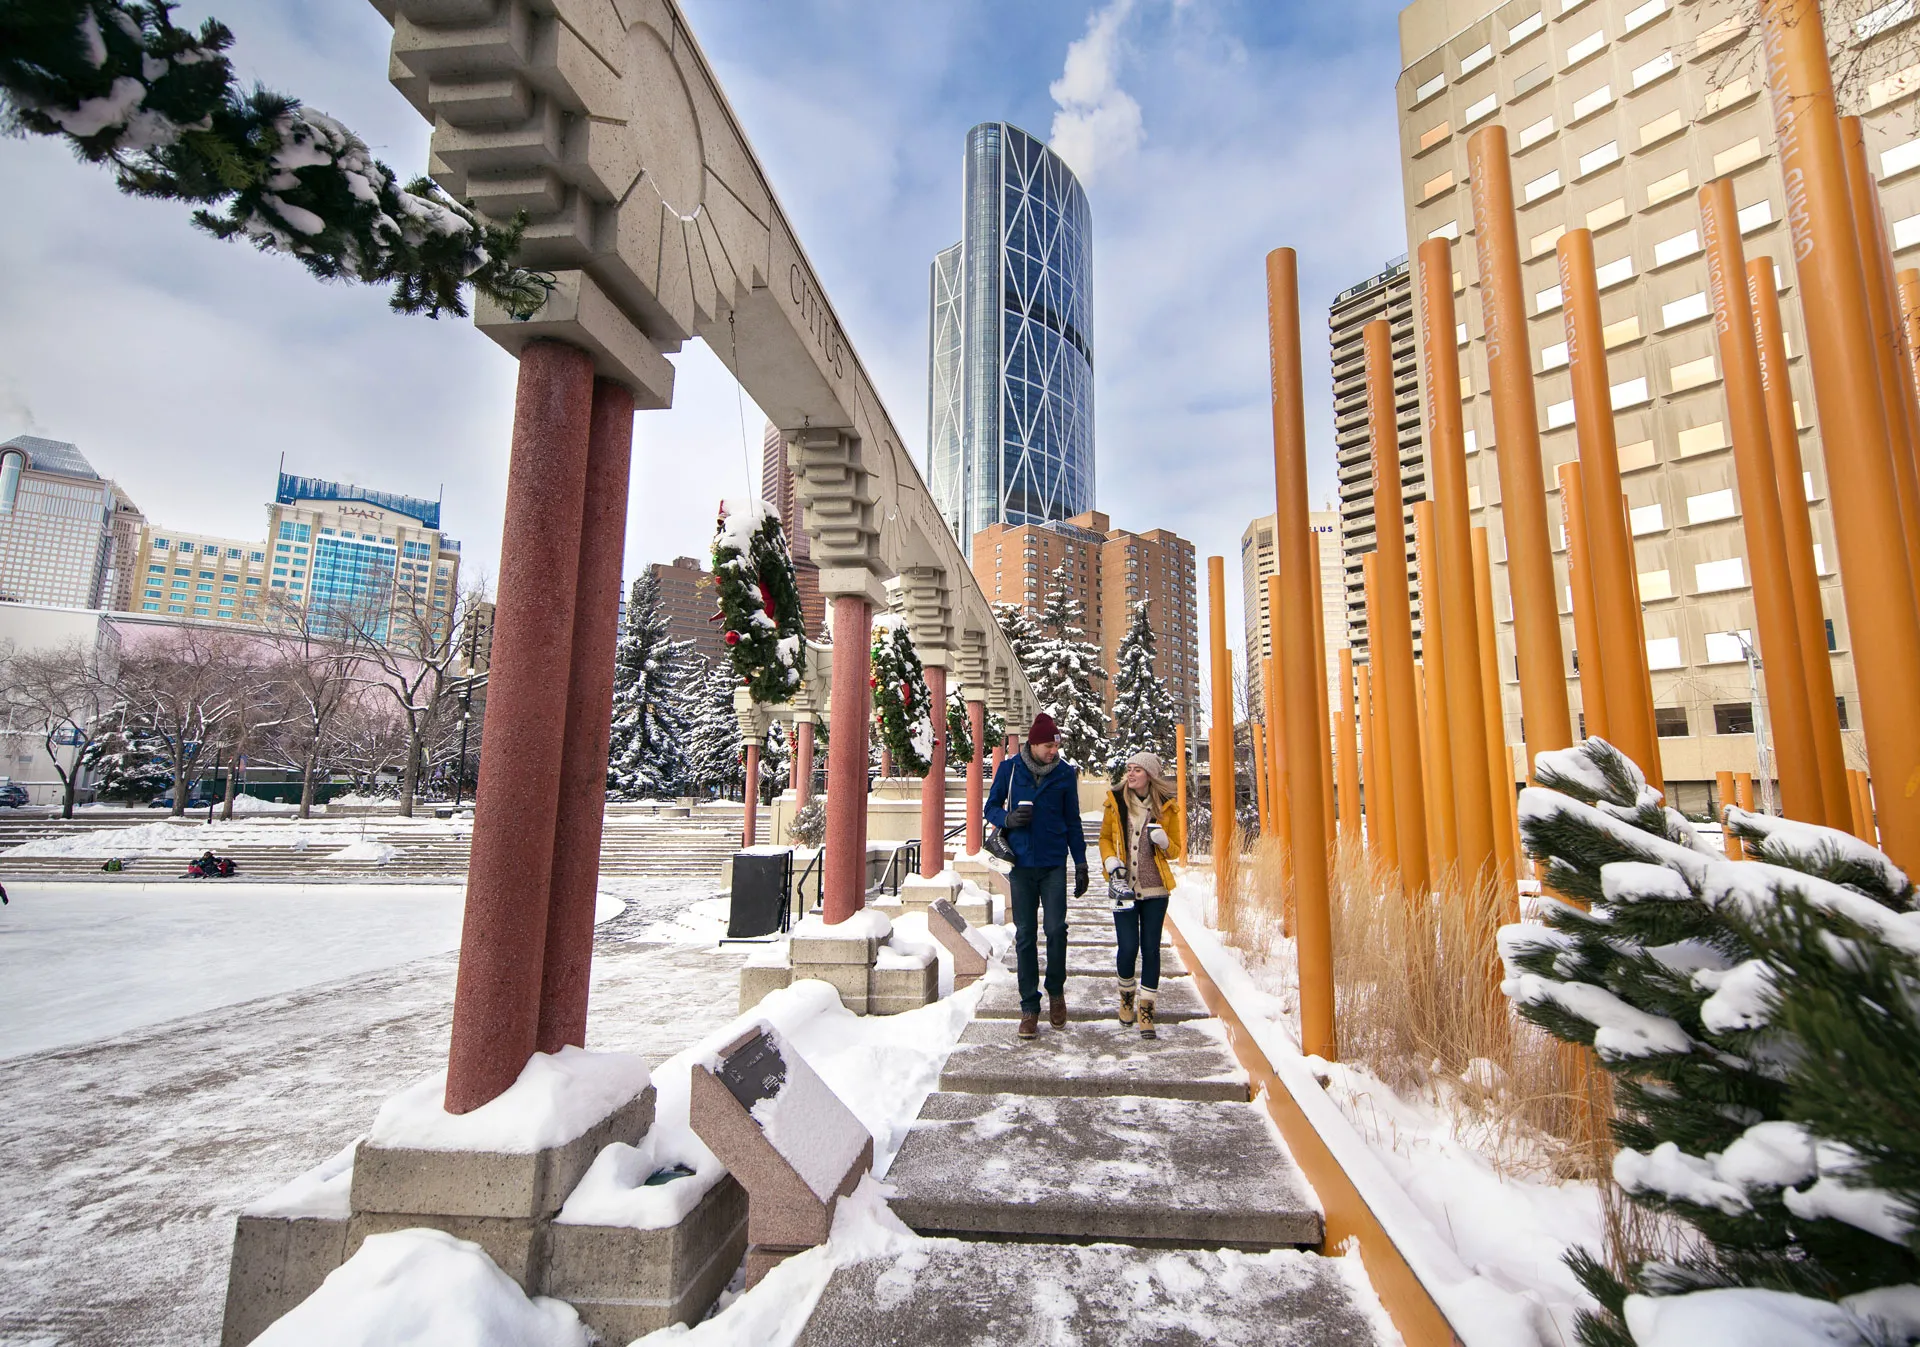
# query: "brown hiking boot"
[[1126, 1000], [1057, 1011], [1143, 1013], [1029, 1026]]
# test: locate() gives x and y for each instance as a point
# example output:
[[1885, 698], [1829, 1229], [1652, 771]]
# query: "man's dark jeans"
[[1138, 930], [1038, 889]]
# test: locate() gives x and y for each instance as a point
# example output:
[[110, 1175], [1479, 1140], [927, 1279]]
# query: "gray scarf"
[[1039, 769]]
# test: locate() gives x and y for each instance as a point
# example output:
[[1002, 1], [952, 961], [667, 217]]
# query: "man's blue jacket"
[[1055, 829]]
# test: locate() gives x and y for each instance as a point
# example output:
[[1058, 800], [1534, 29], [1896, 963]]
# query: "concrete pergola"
[[602, 120]]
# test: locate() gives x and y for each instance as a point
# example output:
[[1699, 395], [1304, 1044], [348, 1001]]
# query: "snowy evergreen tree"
[[1017, 625], [776, 762], [1064, 669], [646, 751], [1143, 710], [1754, 1014], [713, 732]]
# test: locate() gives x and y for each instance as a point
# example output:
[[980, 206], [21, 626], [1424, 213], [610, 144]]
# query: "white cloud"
[[1099, 123]]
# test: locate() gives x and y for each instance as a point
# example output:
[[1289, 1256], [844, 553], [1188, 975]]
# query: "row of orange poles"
[[1417, 758]]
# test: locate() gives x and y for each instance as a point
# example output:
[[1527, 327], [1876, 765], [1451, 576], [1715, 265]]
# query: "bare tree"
[[416, 650], [180, 688], [259, 710], [314, 671], [367, 740], [65, 693]]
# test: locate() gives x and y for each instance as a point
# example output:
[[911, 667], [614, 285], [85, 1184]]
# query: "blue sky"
[[1208, 131]]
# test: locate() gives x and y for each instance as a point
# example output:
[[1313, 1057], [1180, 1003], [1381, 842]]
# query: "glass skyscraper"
[[1010, 386]]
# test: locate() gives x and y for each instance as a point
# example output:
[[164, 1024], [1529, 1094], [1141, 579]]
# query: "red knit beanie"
[[1044, 731]]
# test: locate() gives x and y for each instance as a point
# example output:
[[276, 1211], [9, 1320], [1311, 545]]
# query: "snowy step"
[[1126, 1169], [1092, 998], [954, 1293], [1187, 1061], [1083, 935], [1093, 963]]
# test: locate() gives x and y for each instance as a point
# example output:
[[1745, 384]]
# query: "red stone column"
[[999, 755], [582, 805], [496, 1003], [976, 787], [933, 786], [750, 818], [802, 762], [845, 869]]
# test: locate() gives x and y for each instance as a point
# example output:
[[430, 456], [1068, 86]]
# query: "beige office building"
[[1617, 112], [198, 575], [67, 534], [1389, 296], [1257, 563]]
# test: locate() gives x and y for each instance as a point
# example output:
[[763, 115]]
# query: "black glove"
[[1019, 816], [1080, 881]]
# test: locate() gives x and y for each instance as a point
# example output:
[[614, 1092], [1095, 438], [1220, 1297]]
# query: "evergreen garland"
[[760, 613], [1760, 1021], [959, 733], [902, 705], [123, 86]]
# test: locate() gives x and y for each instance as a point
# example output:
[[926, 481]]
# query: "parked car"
[[13, 796], [195, 800]]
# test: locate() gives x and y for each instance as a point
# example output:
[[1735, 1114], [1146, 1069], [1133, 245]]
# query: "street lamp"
[[1759, 724]]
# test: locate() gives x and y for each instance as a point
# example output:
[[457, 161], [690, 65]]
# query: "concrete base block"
[[850, 980], [627, 1283], [764, 1258], [517, 1245], [278, 1262], [988, 878], [975, 910], [894, 990], [482, 1183], [812, 949], [918, 892], [756, 980]]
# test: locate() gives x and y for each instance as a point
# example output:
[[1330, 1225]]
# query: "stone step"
[[1080, 937], [1125, 1169], [1093, 998], [1185, 1062], [1093, 963], [959, 1293]]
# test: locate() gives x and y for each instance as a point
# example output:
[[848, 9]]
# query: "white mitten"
[[1115, 865], [1158, 836]]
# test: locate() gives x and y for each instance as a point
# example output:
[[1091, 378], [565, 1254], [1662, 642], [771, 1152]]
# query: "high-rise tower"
[[1010, 386]]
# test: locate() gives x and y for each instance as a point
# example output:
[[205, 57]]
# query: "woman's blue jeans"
[[1138, 929]]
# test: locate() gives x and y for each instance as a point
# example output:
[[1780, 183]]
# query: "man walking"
[[1035, 801]]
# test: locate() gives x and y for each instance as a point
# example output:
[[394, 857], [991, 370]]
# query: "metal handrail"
[[818, 870], [911, 847]]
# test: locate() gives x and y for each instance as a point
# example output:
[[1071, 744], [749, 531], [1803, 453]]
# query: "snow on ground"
[[126, 1158], [190, 837], [1488, 1245]]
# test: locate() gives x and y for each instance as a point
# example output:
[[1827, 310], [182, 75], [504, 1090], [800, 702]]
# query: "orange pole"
[[1279, 759], [1589, 655], [1349, 766], [1369, 761], [1295, 644], [1321, 696], [1868, 523], [1434, 696], [1884, 320], [1723, 781], [1180, 780], [1618, 621], [1475, 826], [1783, 435], [1907, 291], [1743, 790], [1863, 806], [1760, 513], [1220, 746], [1262, 793], [1516, 434], [1430, 821], [1499, 758], [1392, 639], [1385, 808], [1656, 774]]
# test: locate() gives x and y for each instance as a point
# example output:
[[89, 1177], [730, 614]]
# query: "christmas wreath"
[[160, 105], [902, 705], [760, 615]]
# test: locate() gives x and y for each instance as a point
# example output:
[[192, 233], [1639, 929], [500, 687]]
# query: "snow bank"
[[364, 850], [421, 1286], [321, 1191], [253, 804], [1742, 1317], [868, 923], [558, 1096]]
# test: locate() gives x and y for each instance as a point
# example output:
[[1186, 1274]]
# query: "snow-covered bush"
[[1760, 1022]]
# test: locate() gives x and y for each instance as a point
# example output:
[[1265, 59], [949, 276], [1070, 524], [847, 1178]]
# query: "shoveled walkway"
[[1092, 1186]]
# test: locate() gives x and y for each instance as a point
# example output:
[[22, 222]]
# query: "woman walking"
[[1140, 829]]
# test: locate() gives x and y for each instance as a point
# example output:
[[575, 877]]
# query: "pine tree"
[[646, 753], [1753, 1014], [1143, 711], [1017, 625], [776, 762], [1064, 669], [713, 731]]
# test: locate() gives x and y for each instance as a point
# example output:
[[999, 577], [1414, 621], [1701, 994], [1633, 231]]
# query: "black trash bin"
[[762, 880]]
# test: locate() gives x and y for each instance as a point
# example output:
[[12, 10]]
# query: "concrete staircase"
[[1088, 1182]]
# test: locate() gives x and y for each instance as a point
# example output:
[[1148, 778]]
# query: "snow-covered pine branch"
[[159, 105]]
